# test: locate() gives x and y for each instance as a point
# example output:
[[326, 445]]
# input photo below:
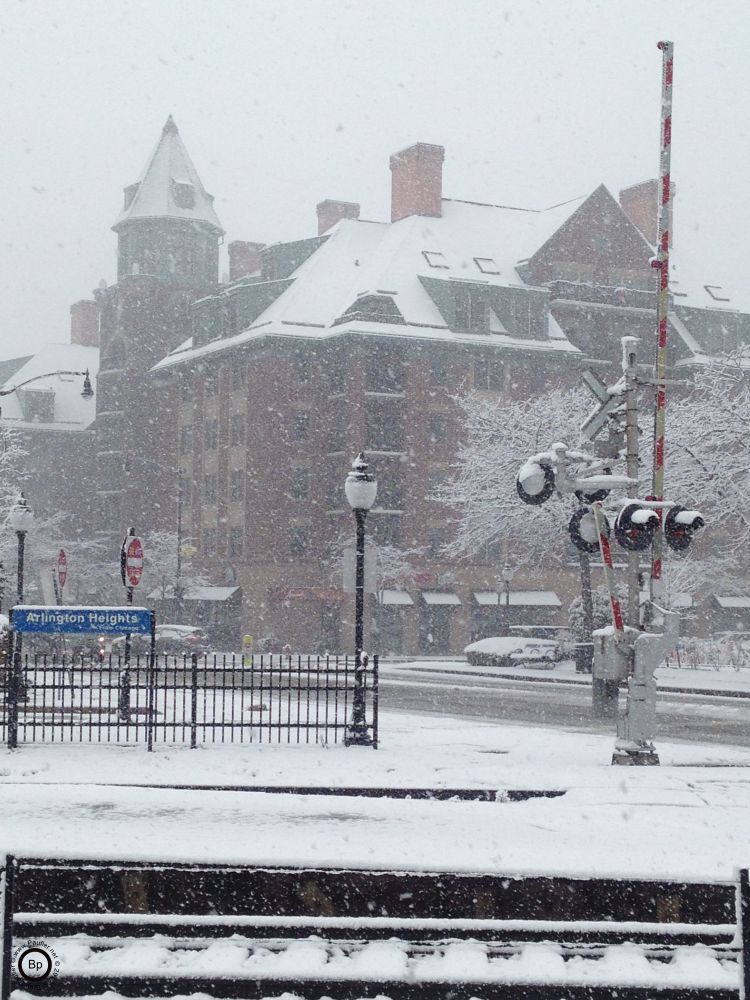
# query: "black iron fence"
[[189, 700]]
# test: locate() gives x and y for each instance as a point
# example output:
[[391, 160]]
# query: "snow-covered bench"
[[388, 945]]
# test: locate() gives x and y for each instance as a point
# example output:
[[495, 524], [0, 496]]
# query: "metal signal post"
[[661, 263]]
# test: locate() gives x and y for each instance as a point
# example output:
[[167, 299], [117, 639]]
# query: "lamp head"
[[21, 516], [87, 392], [361, 487]]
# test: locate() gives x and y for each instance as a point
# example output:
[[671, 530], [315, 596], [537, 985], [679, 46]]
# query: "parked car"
[[174, 640], [506, 651]]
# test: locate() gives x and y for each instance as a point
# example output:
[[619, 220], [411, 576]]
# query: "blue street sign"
[[105, 621]]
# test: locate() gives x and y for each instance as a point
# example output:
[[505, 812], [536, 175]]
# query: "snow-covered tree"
[[500, 435], [707, 462], [161, 563]]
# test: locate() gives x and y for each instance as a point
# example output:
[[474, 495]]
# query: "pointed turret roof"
[[169, 186]]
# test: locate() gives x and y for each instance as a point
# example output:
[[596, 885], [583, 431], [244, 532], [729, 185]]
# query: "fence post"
[[14, 670], [151, 684], [375, 675], [193, 700], [123, 693], [743, 919], [8, 908]]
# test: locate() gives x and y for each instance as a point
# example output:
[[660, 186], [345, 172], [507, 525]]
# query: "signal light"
[[583, 531], [535, 483], [635, 527], [679, 527], [595, 495]]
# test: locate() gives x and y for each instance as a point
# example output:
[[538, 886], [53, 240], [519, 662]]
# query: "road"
[[685, 717]]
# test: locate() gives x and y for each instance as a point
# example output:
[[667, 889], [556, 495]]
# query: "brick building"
[[358, 338], [261, 389], [167, 256]]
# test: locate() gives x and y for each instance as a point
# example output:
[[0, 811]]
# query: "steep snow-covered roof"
[[169, 186], [71, 411], [469, 242]]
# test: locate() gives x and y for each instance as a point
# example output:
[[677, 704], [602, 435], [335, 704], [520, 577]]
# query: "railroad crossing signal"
[[611, 400]]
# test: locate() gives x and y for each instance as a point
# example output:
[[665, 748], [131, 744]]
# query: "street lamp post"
[[20, 520], [87, 391], [506, 575], [361, 488]]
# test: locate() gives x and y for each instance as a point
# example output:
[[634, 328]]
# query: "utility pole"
[[661, 263], [629, 371]]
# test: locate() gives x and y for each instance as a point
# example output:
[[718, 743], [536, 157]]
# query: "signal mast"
[[627, 650]]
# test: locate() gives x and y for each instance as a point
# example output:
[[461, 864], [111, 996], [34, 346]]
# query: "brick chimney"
[[84, 323], [417, 181], [244, 258], [641, 205], [331, 212]]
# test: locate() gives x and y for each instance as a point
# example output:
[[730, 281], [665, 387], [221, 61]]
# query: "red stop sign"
[[133, 560], [62, 567]]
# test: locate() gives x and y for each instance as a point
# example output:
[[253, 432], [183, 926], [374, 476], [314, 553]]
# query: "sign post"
[[131, 570], [60, 575]]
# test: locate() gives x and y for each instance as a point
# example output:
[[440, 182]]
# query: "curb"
[[573, 681]]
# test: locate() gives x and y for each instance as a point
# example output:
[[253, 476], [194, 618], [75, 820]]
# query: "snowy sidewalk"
[[686, 819]]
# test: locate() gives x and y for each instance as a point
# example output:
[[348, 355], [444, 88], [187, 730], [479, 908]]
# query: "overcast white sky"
[[284, 103]]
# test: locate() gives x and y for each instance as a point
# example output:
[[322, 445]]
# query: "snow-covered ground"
[[686, 819]]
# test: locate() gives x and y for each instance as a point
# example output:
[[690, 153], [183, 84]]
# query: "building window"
[[183, 194], [438, 372], [471, 312], [236, 484], [186, 389], [384, 424], [210, 487], [235, 541], [436, 259], [386, 529], [298, 540], [186, 438], [435, 542], [237, 428], [211, 385], [438, 427], [300, 483], [209, 541], [300, 426], [211, 434], [487, 265]]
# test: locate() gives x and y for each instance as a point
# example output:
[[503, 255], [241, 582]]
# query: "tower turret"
[[168, 227]]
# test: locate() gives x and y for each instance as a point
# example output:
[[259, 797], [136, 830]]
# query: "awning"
[[195, 593], [733, 602], [680, 600], [520, 598], [439, 597], [396, 597]]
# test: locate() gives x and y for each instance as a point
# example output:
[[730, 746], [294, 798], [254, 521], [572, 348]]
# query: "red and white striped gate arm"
[[661, 262], [609, 575]]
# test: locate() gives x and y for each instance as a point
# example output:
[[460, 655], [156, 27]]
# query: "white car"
[[505, 651]]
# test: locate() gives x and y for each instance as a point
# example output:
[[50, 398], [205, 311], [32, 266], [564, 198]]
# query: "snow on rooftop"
[[732, 602], [358, 257], [71, 410], [170, 186]]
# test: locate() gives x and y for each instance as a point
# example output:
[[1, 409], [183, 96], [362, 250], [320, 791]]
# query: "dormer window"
[[714, 291], [487, 265], [183, 193], [471, 311], [436, 259]]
